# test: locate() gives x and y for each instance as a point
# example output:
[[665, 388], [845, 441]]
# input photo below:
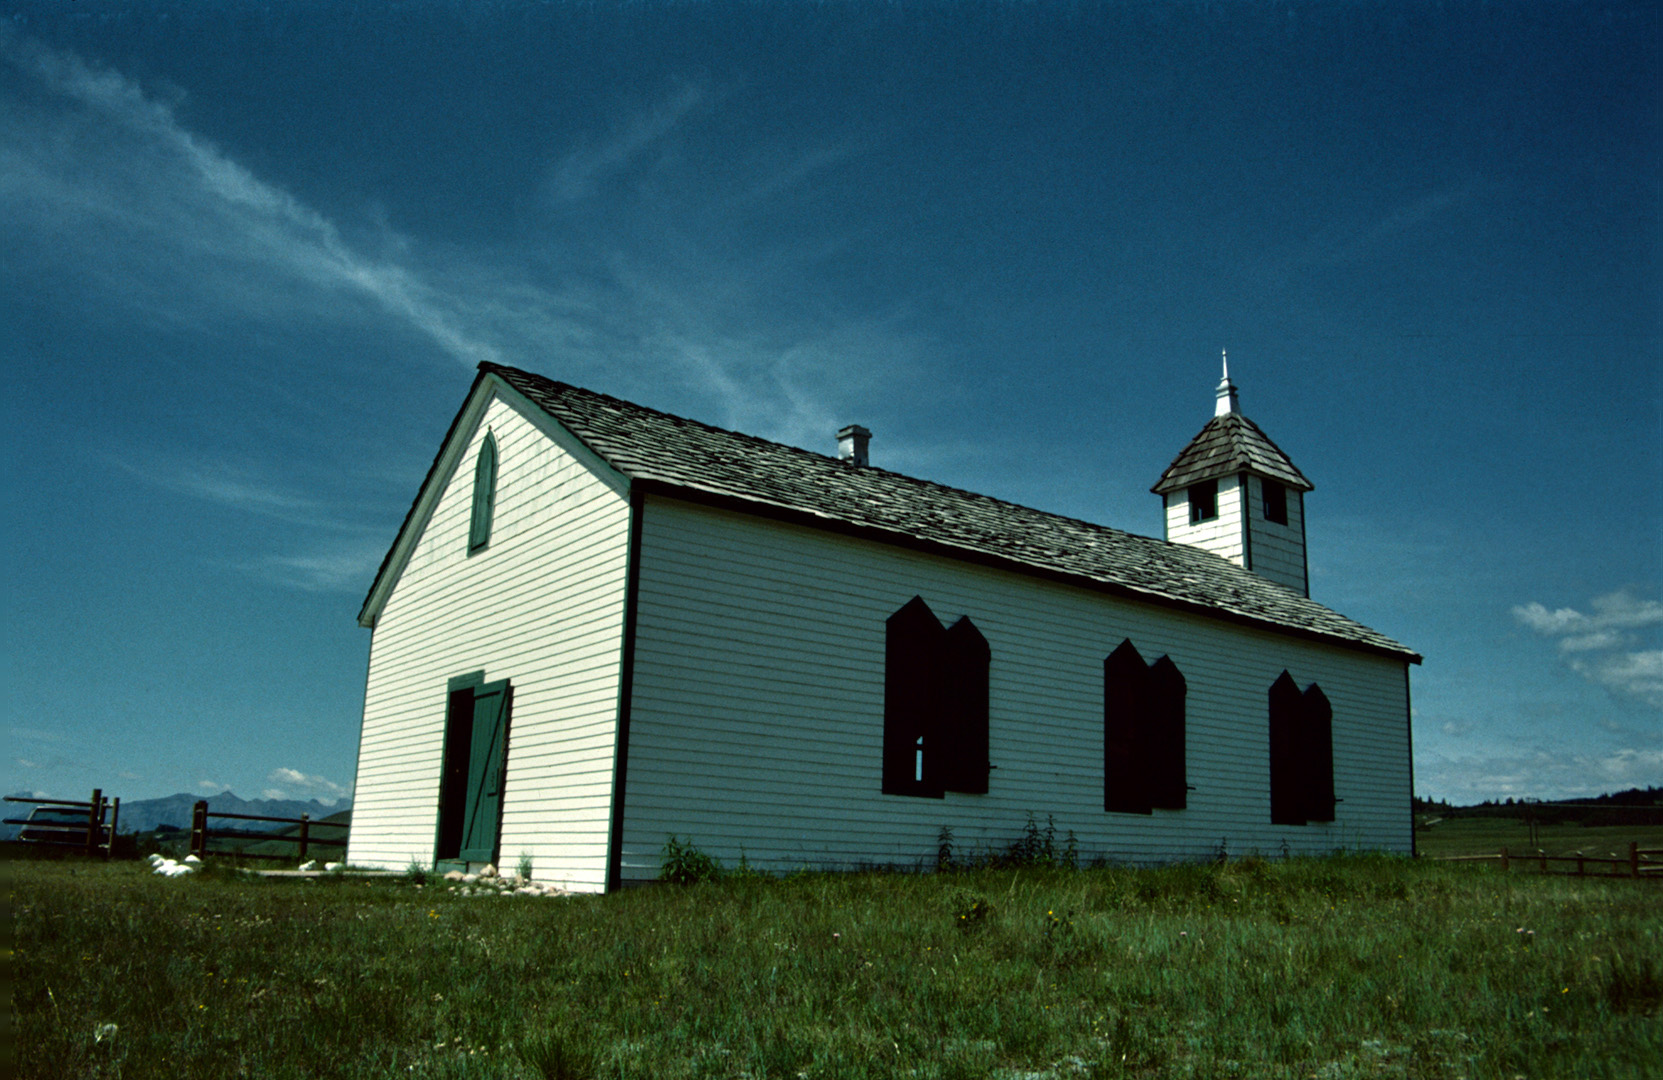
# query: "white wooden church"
[[601, 625]]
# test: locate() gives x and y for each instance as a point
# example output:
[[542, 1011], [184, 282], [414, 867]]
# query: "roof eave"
[[1233, 468], [376, 598]]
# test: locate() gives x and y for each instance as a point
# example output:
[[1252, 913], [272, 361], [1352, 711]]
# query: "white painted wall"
[[1221, 535], [1278, 551], [757, 718], [543, 607]]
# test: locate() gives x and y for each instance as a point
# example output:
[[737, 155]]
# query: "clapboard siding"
[[757, 712], [1221, 535], [1278, 550], [541, 606]]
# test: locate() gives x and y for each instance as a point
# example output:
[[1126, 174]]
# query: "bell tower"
[[1233, 492]]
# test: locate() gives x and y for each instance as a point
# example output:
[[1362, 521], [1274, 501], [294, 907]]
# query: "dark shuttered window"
[[1143, 733], [484, 495], [1301, 753], [935, 705], [1275, 501], [1203, 501]]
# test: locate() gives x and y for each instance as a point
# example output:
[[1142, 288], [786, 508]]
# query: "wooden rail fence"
[[89, 825], [202, 835], [1640, 863]]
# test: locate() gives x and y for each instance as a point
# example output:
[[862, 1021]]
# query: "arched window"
[[1143, 733], [484, 494], [935, 705], [1301, 753]]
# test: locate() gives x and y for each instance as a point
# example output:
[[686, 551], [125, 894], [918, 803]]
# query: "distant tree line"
[[1633, 806]]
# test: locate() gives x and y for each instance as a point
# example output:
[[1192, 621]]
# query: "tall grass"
[[1344, 968]]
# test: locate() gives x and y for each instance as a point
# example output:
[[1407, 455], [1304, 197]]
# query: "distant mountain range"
[[142, 815]]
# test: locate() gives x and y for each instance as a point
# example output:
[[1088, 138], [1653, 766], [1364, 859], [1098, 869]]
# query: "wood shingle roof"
[[1229, 444], [668, 454]]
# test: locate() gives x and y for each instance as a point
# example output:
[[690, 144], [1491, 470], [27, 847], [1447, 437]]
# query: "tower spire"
[[1228, 402]]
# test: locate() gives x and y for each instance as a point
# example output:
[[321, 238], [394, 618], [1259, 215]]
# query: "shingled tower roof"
[[1229, 444]]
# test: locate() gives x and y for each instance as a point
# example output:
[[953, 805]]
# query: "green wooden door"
[[486, 761]]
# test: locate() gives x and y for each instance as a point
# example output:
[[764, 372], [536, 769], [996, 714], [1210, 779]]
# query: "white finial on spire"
[[1227, 400]]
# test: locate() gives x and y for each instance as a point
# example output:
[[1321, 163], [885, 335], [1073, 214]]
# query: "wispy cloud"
[[1358, 241], [115, 158], [105, 176], [1601, 644], [226, 486], [37, 734], [580, 170], [349, 567]]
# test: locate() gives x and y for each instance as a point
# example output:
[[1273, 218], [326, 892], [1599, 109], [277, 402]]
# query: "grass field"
[[1486, 835], [1362, 967]]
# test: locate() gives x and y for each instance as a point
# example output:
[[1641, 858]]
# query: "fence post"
[[115, 817], [1504, 857], [1634, 858], [199, 828], [95, 818], [1579, 864], [303, 827], [1544, 859]]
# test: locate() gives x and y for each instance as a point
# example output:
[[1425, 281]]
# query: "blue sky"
[[250, 255]]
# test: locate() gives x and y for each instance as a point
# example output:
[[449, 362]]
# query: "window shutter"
[[484, 494], [913, 640], [1168, 783], [1287, 802], [1125, 698], [1317, 742], [961, 741]]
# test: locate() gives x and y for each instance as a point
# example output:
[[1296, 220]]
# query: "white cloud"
[[212, 787], [1538, 773], [1620, 610], [309, 785], [1600, 639], [27, 764], [1613, 628], [1637, 674]]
